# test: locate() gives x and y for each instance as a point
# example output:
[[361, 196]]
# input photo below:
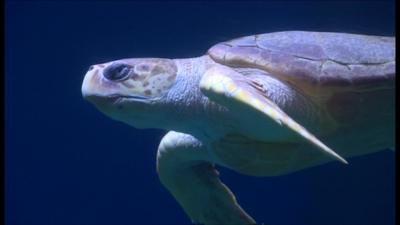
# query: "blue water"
[[66, 163]]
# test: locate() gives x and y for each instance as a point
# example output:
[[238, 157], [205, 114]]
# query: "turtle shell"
[[313, 58], [346, 74]]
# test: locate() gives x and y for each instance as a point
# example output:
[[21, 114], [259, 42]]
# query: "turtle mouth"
[[116, 99]]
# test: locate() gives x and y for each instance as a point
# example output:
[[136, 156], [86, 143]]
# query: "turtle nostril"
[[90, 68], [116, 71]]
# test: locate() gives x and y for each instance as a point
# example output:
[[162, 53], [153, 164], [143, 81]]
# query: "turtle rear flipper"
[[233, 90]]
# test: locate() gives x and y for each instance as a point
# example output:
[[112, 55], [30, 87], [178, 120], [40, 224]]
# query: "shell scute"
[[302, 44]]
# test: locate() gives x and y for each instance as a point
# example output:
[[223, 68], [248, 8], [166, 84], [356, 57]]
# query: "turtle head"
[[126, 89]]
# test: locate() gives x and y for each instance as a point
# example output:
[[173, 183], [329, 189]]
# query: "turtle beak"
[[97, 90], [88, 80], [93, 85]]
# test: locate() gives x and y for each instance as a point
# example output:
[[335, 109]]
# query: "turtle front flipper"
[[183, 168], [233, 90]]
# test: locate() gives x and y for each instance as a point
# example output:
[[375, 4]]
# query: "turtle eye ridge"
[[116, 71]]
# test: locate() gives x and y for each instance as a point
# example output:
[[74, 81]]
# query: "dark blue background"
[[66, 163]]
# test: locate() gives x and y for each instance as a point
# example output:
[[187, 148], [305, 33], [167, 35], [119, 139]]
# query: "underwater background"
[[67, 164]]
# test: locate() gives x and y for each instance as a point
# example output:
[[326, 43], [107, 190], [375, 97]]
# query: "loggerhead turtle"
[[253, 105]]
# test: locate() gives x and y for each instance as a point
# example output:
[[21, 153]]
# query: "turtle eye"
[[116, 71]]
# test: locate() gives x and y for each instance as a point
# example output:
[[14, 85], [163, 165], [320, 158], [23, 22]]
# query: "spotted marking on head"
[[147, 92], [145, 83]]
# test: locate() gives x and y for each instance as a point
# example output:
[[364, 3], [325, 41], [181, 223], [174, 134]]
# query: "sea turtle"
[[253, 104]]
